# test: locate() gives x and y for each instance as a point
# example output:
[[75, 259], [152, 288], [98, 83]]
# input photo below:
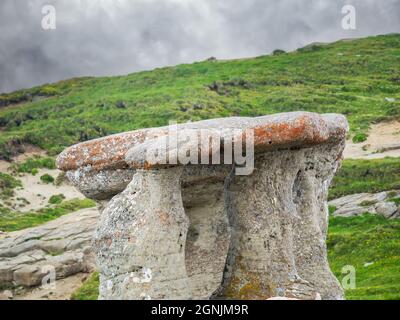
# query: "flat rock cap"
[[131, 149]]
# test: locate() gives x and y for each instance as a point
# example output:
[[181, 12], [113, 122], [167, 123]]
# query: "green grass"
[[31, 164], [316, 78], [7, 185], [11, 220], [395, 200], [89, 290], [360, 137], [47, 178], [359, 240], [367, 203], [357, 176], [56, 199], [331, 209]]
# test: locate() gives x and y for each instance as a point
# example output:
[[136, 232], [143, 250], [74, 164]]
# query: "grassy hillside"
[[371, 244], [358, 176], [350, 77]]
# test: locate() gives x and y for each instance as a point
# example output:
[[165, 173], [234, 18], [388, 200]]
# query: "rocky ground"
[[385, 203], [61, 246], [62, 290]]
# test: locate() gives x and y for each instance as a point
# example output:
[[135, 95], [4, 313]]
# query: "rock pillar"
[[199, 230]]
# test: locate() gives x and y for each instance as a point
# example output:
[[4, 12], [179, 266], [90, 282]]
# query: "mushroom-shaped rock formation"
[[231, 208]]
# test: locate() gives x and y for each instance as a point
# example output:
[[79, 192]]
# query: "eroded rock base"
[[199, 232], [279, 225], [61, 247]]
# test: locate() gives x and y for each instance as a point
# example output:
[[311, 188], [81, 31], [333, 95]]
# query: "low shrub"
[[7, 185], [55, 199], [35, 162], [46, 178], [359, 137]]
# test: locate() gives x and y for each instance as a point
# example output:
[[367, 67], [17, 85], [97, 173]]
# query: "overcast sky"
[[112, 37]]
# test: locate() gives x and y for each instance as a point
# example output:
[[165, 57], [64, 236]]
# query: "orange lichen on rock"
[[307, 130], [104, 153], [296, 129]]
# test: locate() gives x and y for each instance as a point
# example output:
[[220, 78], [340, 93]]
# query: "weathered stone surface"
[[271, 132], [191, 231], [100, 185], [374, 203], [203, 195], [386, 209], [6, 295], [278, 246], [141, 239], [62, 245]]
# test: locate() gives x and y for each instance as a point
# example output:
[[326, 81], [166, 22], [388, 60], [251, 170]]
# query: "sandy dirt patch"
[[63, 289], [383, 141], [4, 165], [38, 193], [29, 152], [35, 194]]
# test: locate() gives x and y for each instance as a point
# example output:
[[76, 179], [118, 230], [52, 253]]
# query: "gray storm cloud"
[[110, 37]]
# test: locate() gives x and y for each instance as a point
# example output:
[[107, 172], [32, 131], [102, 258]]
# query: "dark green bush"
[[31, 165], [360, 137], [46, 178], [7, 185], [55, 199], [278, 52]]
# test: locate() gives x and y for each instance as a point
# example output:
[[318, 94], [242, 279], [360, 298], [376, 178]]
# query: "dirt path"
[[383, 141], [62, 290]]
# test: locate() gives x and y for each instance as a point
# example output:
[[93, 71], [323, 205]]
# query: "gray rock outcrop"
[[196, 230], [61, 246], [381, 203]]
